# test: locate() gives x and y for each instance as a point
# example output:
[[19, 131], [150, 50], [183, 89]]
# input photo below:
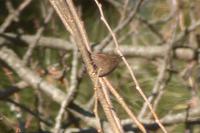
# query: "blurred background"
[[159, 38]]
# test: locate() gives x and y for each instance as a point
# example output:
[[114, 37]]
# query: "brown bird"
[[106, 63]]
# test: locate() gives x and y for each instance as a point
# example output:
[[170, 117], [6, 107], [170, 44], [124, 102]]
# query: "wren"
[[106, 63]]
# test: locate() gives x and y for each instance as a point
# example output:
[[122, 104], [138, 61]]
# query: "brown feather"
[[106, 62]]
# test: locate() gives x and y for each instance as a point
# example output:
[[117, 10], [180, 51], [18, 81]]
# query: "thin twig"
[[129, 68], [121, 25], [124, 105], [110, 106]]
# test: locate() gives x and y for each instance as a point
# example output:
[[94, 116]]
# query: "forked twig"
[[124, 105], [13, 15], [109, 104]]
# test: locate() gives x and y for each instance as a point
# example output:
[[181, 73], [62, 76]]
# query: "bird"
[[105, 63]]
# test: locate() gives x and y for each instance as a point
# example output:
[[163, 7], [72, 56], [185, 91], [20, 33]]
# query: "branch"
[[12, 60], [148, 52], [72, 22], [13, 15]]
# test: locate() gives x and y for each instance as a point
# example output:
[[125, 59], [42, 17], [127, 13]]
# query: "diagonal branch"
[[71, 20]]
